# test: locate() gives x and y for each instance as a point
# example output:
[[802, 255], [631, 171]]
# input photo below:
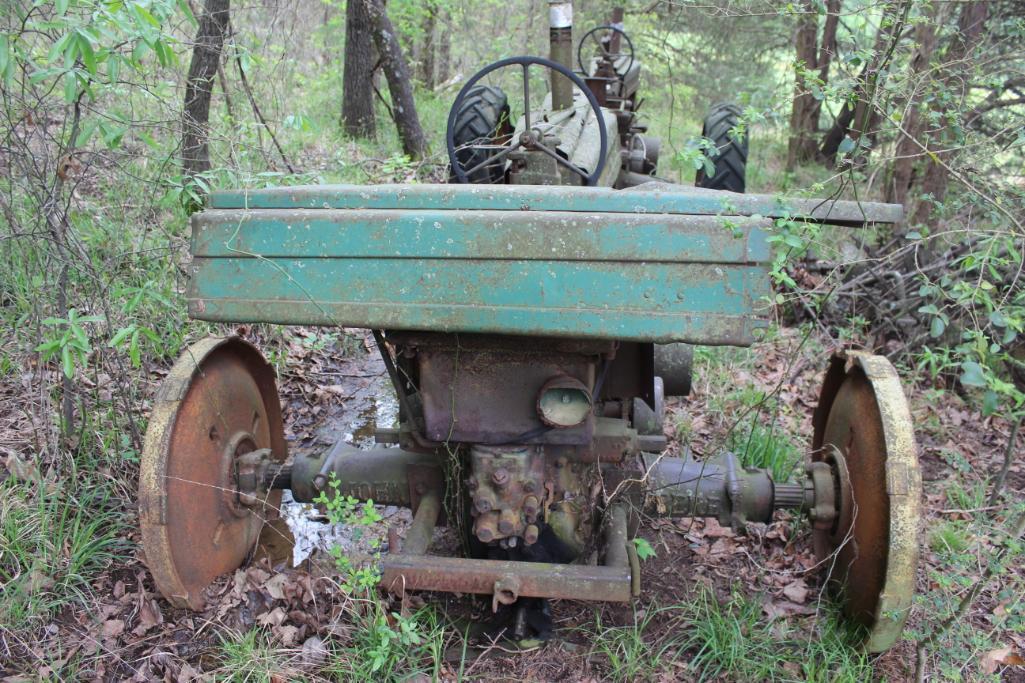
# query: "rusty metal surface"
[[380, 474], [863, 415], [218, 401], [507, 491], [421, 531], [488, 395], [535, 579]]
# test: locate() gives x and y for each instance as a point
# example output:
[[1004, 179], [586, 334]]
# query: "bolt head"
[[530, 535], [500, 477], [483, 503], [485, 534], [529, 486]]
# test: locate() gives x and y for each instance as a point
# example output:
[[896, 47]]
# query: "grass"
[[709, 638], [767, 448], [385, 646], [248, 658], [731, 638], [640, 650], [52, 544]]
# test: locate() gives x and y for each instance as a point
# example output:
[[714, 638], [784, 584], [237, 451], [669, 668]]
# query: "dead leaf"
[[1002, 656], [286, 635], [782, 608], [314, 652], [715, 530], [112, 628], [796, 591], [149, 616], [273, 618], [275, 586]]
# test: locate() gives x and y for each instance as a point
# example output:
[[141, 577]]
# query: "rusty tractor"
[[531, 316]]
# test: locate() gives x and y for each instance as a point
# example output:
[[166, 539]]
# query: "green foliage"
[[644, 549], [640, 650], [356, 575], [388, 646], [248, 658], [69, 340]]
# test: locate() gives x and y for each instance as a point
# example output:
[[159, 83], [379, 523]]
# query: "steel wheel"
[[863, 429], [218, 402]]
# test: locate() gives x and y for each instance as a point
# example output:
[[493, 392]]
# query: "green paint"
[[648, 198], [499, 235], [643, 265]]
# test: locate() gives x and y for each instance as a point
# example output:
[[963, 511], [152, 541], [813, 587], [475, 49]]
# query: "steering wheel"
[[532, 137], [610, 56]]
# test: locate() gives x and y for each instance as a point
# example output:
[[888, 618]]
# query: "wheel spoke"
[[492, 159], [562, 161], [526, 97]]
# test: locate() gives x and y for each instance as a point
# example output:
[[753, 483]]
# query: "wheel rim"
[[217, 403], [863, 422]]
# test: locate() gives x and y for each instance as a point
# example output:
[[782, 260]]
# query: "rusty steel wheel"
[[863, 430], [218, 402]]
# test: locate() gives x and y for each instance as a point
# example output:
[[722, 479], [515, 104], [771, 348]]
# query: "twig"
[[255, 106], [998, 482]]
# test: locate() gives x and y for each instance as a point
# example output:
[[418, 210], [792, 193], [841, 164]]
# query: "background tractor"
[[529, 316]]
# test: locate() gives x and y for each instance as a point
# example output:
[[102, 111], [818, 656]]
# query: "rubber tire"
[[483, 111], [731, 164]]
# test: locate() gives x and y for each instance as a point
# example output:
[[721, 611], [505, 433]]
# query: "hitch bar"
[[530, 579]]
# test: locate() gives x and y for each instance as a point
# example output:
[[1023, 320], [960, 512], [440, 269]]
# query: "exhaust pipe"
[[560, 21]]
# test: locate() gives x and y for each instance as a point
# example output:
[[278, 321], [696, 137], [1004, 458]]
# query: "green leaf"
[[997, 319], [913, 235], [846, 145], [85, 50], [70, 87], [990, 403], [937, 326], [87, 132], [5, 52], [62, 6], [67, 362], [120, 336], [144, 14], [644, 549], [972, 374]]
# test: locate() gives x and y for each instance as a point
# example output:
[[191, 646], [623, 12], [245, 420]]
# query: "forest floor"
[[716, 605]]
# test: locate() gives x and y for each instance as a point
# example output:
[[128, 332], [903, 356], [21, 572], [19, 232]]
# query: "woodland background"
[[118, 116]]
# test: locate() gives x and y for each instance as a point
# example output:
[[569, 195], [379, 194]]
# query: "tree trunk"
[[396, 71], [903, 172], [957, 66], [426, 64], [827, 49], [444, 48], [357, 76], [803, 127], [861, 119], [812, 56], [206, 56]]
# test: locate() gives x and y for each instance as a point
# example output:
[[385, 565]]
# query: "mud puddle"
[[360, 401]]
